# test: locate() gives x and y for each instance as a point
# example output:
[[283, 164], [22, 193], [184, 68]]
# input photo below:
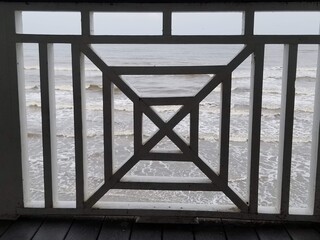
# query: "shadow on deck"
[[26, 228]]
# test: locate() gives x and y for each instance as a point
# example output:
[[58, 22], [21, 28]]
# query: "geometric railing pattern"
[[188, 153], [221, 75]]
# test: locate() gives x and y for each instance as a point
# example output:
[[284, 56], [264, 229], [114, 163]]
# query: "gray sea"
[[209, 125]]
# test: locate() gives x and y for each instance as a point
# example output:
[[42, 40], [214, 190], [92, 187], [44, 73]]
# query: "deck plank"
[[300, 232], [85, 228], [27, 228], [206, 231], [269, 232], [115, 230], [317, 226], [177, 232], [23, 229], [4, 225], [240, 232], [141, 231], [53, 229]]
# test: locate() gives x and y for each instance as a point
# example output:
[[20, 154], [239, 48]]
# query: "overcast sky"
[[182, 23]]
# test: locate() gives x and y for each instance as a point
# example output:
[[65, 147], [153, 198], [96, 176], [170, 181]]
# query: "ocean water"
[[209, 123]]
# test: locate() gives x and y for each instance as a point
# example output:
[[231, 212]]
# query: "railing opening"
[[38, 22], [286, 23], [138, 113]]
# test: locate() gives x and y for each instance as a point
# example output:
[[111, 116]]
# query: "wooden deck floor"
[[99, 228]]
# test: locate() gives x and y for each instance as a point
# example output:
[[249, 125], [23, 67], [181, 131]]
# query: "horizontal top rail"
[[145, 7], [123, 39]]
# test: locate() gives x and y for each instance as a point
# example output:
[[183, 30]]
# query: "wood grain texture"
[[115, 230], [23, 229], [53, 229], [209, 231], [4, 225], [302, 232], [86, 228], [142, 231], [177, 232], [272, 232], [240, 232]]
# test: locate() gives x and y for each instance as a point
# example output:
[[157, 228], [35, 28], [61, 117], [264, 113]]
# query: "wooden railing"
[[14, 177]]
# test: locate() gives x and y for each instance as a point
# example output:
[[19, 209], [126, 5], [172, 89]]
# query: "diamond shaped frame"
[[190, 105]]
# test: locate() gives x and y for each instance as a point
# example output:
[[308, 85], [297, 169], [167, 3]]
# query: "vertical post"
[[166, 23], [286, 125], [225, 128], [194, 129], [248, 23], [79, 123], [86, 30], [314, 186], [10, 142], [22, 113], [48, 122], [108, 126], [255, 126], [137, 112], [86, 23]]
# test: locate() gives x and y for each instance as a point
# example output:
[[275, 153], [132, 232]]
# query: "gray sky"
[[204, 23]]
